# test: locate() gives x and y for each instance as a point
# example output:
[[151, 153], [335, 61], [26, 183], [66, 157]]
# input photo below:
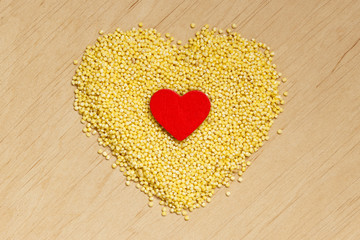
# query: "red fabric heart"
[[179, 115]]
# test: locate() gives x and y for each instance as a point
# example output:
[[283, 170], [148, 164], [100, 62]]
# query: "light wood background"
[[304, 184]]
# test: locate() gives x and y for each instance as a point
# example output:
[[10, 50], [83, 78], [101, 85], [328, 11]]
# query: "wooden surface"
[[304, 184]]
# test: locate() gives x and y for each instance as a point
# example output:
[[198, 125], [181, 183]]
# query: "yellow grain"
[[114, 99]]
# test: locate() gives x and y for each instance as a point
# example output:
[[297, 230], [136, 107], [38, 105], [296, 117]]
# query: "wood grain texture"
[[304, 184]]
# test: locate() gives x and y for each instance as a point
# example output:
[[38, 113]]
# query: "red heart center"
[[179, 115]]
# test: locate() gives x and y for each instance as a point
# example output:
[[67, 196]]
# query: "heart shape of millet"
[[120, 73], [179, 115]]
